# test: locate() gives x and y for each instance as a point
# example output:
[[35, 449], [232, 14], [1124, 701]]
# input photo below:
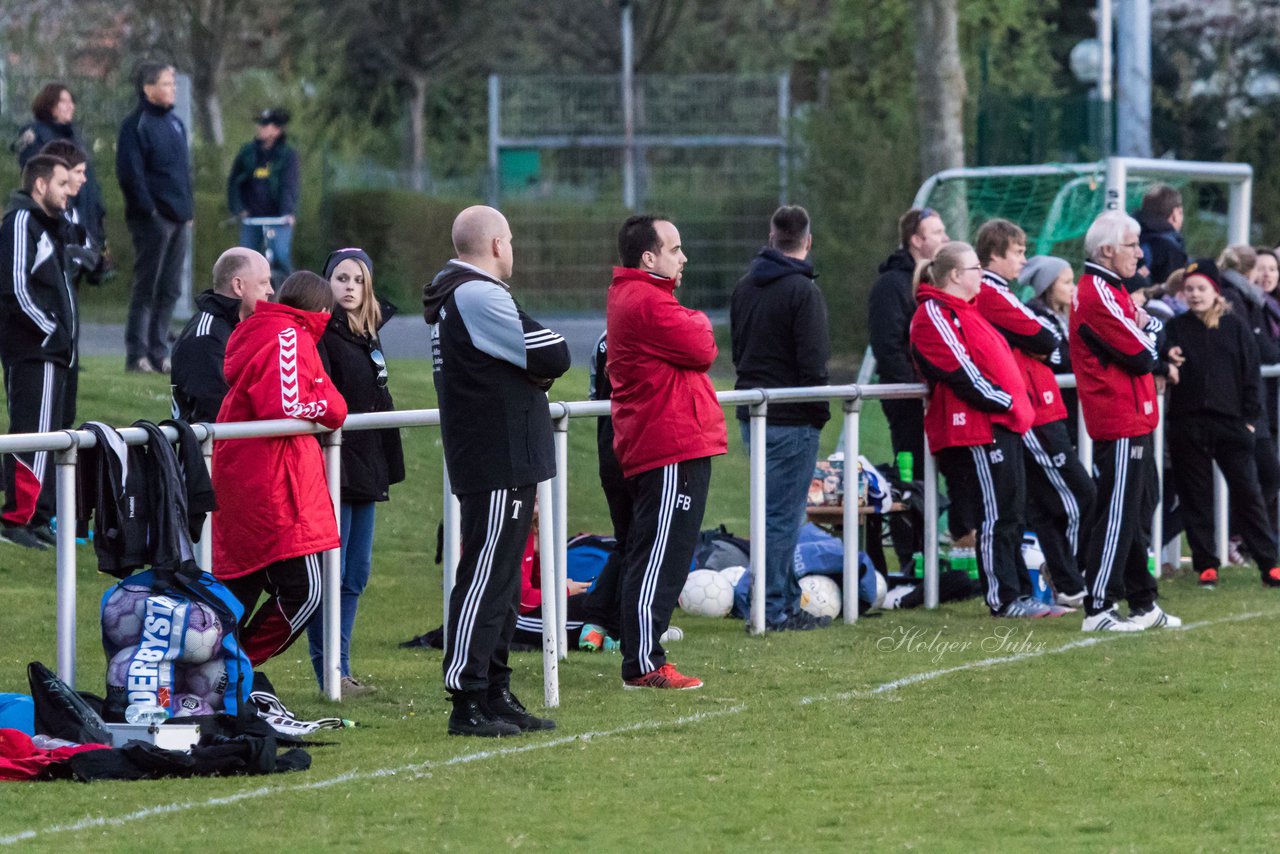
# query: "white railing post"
[[930, 528], [206, 532], [65, 478], [332, 594], [559, 563], [1221, 515], [759, 438], [1157, 522], [550, 632], [452, 550], [852, 517]]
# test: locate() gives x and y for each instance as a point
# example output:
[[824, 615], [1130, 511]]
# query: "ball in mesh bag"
[[118, 668], [202, 636], [820, 596], [186, 705], [208, 680], [122, 615]]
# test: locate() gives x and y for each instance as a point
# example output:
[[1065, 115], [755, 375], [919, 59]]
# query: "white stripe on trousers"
[[475, 593], [44, 423], [303, 615], [1115, 519], [990, 515], [652, 570], [1068, 498]]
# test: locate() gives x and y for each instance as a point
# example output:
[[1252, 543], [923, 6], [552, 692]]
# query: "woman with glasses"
[[372, 460], [976, 414]]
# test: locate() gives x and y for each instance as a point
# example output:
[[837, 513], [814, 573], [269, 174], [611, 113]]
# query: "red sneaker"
[[1271, 578], [665, 676], [1209, 578]]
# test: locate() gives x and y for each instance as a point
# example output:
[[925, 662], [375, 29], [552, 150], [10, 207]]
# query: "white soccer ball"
[[707, 593], [186, 705], [202, 636], [123, 613], [820, 596], [208, 680], [118, 667], [1032, 554], [734, 574]]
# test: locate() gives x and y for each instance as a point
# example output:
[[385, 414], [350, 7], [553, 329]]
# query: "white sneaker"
[[1109, 621], [673, 633], [1074, 600], [1156, 618]]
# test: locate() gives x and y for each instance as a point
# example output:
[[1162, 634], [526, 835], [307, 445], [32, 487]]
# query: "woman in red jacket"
[[275, 515], [975, 416]]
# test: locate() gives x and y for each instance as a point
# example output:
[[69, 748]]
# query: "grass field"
[[942, 730]]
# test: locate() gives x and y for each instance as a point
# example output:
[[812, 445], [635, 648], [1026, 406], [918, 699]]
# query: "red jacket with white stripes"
[[272, 493], [1113, 358], [974, 382], [664, 407], [1035, 342]]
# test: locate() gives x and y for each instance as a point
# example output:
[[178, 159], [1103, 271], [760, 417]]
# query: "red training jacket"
[[974, 382], [1113, 358], [664, 407], [1029, 337], [272, 492]]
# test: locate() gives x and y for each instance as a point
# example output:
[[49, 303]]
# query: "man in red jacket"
[[667, 427], [1114, 352]]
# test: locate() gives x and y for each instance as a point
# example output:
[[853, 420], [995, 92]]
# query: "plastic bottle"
[[145, 714], [906, 466]]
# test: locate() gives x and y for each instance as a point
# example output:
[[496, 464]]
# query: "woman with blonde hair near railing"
[[372, 460], [975, 415], [1211, 417]]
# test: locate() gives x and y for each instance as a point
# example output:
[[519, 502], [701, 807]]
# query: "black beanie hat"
[[1207, 268], [337, 256]]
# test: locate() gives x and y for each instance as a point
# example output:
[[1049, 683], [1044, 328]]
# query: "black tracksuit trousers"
[[486, 590], [1059, 497], [999, 476], [1197, 442], [603, 607], [37, 396], [668, 506], [1119, 531]]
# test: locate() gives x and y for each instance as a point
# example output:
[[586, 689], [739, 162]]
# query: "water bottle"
[[906, 466], [148, 714]]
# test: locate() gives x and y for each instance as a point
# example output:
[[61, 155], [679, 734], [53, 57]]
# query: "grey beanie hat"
[[1041, 272]]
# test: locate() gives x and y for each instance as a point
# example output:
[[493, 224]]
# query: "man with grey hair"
[[1113, 349], [241, 277], [155, 176]]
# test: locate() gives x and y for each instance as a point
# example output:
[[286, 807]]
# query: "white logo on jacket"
[[1048, 397], [957, 419], [293, 408]]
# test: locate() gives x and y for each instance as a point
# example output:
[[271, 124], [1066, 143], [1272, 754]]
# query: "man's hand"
[[1175, 357], [1173, 374], [576, 587]]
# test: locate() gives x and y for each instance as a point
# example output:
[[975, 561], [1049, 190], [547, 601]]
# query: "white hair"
[[1109, 229]]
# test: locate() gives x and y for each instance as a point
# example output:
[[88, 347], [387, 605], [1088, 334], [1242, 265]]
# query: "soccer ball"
[[186, 705], [203, 632], [1032, 554], [707, 593], [118, 668], [734, 574], [208, 680], [820, 596], [872, 588], [123, 613]]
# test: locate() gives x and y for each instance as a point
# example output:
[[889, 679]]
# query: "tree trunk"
[[418, 130], [940, 86], [208, 36]]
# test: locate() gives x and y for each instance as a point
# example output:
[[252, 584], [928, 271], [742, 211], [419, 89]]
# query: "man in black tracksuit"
[[155, 177], [241, 277], [492, 366], [39, 330]]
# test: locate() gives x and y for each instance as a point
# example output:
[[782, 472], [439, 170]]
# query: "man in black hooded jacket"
[[778, 320]]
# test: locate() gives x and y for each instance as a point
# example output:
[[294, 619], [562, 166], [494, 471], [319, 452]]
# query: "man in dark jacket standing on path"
[[38, 334], [492, 365], [155, 175], [889, 311], [264, 183], [778, 320]]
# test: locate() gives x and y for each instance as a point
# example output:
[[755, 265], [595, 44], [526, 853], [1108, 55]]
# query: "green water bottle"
[[906, 466]]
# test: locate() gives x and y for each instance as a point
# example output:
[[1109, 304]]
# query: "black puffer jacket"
[[889, 311], [372, 460]]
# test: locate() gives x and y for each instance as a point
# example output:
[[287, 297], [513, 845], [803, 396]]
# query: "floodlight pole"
[[628, 110], [1105, 81], [1133, 121]]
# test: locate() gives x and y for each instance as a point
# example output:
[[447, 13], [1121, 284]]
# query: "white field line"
[[416, 769], [420, 768], [1091, 640]]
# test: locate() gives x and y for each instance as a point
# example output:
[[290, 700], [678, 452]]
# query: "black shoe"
[[800, 621], [44, 534], [470, 717], [22, 537], [504, 706]]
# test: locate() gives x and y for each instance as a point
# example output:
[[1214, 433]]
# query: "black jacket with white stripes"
[[37, 303], [198, 383], [492, 366]]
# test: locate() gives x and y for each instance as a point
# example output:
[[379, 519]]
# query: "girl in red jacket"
[[975, 416], [275, 515]]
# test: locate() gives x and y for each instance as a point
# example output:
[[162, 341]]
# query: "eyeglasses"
[[1131, 246], [380, 363], [971, 269]]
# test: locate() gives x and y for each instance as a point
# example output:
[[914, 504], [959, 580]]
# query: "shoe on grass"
[[673, 633], [1271, 578], [1056, 610], [471, 717], [1155, 618], [352, 687], [45, 534], [1070, 600], [1109, 621], [1024, 607], [505, 706], [665, 677], [1209, 577], [140, 365], [20, 536], [592, 638], [798, 621]]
